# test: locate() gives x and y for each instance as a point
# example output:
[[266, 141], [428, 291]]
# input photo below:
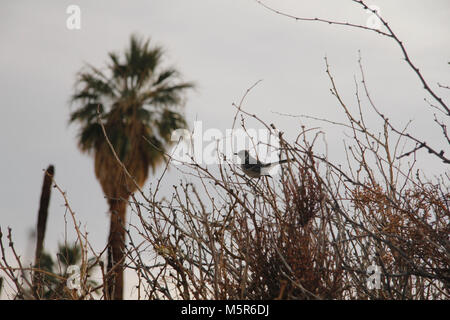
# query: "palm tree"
[[139, 104]]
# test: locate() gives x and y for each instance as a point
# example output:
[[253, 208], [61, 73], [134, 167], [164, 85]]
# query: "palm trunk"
[[42, 223], [116, 248]]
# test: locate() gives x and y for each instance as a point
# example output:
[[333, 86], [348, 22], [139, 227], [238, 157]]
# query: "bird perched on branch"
[[253, 167]]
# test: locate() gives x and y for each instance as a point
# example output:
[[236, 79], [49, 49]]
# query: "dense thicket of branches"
[[311, 233]]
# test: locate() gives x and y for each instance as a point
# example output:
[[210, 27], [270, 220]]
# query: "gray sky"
[[225, 47]]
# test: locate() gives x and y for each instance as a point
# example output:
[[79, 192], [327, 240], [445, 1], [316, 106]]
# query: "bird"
[[255, 168]]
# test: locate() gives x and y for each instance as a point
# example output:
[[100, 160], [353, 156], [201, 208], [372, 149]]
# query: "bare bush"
[[313, 233]]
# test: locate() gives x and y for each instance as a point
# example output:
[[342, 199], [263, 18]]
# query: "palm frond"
[[167, 96], [89, 136], [86, 113], [169, 122]]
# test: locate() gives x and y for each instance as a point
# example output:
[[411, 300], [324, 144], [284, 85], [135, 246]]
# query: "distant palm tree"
[[53, 274], [138, 100]]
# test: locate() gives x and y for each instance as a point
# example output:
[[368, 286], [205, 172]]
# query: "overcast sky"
[[225, 46]]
